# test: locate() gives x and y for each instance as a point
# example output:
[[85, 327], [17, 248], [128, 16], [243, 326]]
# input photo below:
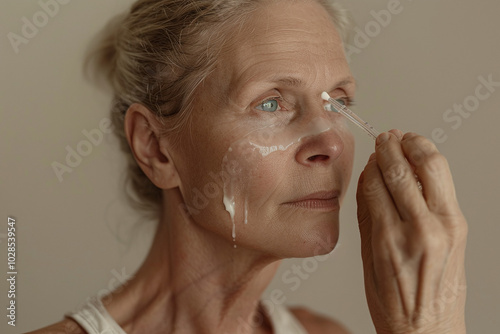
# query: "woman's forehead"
[[298, 41], [287, 24]]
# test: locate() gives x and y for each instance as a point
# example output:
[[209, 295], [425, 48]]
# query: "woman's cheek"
[[257, 169], [264, 156]]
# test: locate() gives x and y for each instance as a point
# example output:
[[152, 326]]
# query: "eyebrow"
[[290, 81], [297, 82]]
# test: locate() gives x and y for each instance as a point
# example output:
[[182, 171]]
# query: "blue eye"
[[271, 105], [330, 107], [341, 101]]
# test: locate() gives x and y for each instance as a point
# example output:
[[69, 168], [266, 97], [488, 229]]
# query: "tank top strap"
[[282, 320], [95, 319]]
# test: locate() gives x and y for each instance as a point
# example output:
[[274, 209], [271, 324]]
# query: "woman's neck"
[[193, 281]]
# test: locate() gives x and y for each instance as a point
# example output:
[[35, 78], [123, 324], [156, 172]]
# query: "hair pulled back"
[[157, 54]]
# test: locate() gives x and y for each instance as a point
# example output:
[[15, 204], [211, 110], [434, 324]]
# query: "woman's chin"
[[314, 239], [304, 236], [323, 238]]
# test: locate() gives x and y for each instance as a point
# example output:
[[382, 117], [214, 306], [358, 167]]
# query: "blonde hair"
[[157, 54]]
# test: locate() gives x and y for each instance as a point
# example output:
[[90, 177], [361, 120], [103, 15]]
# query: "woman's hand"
[[413, 242]]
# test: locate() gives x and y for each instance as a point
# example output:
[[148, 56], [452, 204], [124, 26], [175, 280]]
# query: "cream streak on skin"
[[315, 127]]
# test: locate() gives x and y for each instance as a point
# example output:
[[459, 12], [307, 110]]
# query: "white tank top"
[[95, 319]]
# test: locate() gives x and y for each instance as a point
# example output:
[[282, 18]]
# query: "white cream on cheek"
[[249, 151], [315, 127]]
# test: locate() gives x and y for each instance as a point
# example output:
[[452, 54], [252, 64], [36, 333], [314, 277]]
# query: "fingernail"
[[383, 138], [399, 134], [409, 135]]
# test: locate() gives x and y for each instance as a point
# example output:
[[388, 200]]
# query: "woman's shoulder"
[[313, 322], [66, 326], [316, 323]]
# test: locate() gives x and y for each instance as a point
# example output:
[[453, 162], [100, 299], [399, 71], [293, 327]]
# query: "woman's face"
[[262, 163]]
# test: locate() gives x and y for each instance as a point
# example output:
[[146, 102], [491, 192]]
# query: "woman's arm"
[[413, 242], [66, 326]]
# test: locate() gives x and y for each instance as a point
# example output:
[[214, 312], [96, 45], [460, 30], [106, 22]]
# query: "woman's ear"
[[142, 129]]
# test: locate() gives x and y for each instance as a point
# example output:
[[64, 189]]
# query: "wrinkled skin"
[[195, 281], [413, 243]]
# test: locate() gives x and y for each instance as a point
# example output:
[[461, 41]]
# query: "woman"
[[219, 109]]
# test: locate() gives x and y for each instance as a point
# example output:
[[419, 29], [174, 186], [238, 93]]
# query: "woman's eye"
[[341, 101], [271, 105], [331, 107]]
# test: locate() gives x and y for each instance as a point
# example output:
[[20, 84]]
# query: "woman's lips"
[[319, 201]]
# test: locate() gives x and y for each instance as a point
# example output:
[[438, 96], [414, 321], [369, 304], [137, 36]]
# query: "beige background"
[[73, 236]]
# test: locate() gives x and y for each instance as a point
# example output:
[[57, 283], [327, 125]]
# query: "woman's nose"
[[320, 149]]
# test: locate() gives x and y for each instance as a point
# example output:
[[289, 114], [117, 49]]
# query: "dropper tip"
[[325, 96]]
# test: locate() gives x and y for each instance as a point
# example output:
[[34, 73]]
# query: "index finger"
[[399, 177]]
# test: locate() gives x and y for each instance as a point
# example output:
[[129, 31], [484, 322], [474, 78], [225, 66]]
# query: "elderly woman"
[[218, 105]]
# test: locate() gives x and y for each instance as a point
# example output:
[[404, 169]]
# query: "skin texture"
[[413, 243], [194, 280]]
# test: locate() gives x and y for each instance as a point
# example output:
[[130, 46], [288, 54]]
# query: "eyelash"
[[277, 98], [349, 102]]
